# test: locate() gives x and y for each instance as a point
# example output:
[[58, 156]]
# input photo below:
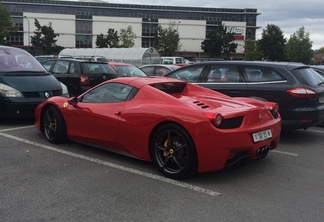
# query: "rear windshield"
[[97, 68], [308, 76], [13, 60]]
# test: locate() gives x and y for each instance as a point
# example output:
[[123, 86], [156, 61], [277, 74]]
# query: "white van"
[[172, 60]]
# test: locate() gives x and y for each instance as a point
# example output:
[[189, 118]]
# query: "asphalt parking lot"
[[74, 182]]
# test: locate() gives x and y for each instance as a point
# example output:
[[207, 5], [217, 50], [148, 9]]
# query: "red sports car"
[[182, 128]]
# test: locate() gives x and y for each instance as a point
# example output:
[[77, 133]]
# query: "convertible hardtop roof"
[[138, 82]]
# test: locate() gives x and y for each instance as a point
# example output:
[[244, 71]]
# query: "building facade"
[[79, 22]]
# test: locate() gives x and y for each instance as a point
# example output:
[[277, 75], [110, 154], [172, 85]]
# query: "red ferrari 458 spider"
[[182, 128]]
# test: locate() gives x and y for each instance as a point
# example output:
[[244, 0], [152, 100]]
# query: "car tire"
[[54, 125], [177, 159]]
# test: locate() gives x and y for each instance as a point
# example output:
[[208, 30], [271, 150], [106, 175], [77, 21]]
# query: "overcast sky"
[[289, 15]]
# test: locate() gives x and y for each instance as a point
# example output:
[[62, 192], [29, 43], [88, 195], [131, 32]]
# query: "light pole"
[[178, 25], [149, 33], [28, 34]]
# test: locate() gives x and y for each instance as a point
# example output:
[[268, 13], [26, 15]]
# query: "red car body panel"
[[127, 126]]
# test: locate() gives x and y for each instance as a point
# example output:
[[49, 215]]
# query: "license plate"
[[321, 99], [262, 135]]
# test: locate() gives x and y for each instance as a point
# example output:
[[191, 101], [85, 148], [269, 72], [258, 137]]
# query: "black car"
[[158, 69], [297, 88], [24, 83], [319, 69], [79, 75]]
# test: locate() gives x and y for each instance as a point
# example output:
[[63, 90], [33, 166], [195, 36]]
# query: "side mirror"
[[73, 101]]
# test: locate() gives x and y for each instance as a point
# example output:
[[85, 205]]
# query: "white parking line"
[[17, 128], [316, 131], [116, 166], [286, 153]]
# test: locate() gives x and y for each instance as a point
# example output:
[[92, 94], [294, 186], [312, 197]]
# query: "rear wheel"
[[173, 152], [54, 125]]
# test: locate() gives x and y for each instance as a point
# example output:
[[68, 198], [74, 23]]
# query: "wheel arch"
[[165, 123], [42, 113]]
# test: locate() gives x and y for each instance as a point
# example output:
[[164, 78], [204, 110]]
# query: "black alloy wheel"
[[54, 125], [173, 152]]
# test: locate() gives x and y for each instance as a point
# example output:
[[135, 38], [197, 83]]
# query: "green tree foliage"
[[127, 37], [44, 38], [111, 40], [218, 42], [299, 47], [272, 43], [320, 50], [166, 40], [101, 41], [5, 24], [252, 51]]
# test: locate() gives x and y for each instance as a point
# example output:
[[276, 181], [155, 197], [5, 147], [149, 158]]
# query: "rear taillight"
[[302, 93], [215, 118], [273, 108], [84, 80]]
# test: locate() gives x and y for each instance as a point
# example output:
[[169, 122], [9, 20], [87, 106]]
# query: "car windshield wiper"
[[321, 83]]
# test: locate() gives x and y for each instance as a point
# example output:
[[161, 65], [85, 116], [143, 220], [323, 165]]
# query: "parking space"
[[74, 182]]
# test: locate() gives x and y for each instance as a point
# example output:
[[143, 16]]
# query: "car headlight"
[[65, 90], [7, 91]]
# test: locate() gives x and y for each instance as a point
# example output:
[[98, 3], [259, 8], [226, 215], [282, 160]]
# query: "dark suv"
[[297, 88], [79, 75]]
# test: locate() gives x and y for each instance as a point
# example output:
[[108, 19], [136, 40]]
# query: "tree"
[[101, 41], [166, 40], [320, 50], [299, 47], [252, 51], [127, 37], [272, 43], [219, 41], [5, 24], [111, 40], [44, 38]]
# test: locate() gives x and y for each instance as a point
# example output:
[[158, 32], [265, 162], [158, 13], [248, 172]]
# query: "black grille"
[[202, 105], [57, 92], [274, 114], [231, 123], [42, 94]]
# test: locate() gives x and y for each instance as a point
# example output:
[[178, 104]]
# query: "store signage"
[[234, 30]]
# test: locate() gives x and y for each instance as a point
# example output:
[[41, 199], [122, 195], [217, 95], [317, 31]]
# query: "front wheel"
[[173, 152], [54, 125]]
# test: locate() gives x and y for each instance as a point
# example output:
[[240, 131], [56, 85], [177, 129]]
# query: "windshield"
[[97, 68], [308, 76], [126, 70], [13, 60]]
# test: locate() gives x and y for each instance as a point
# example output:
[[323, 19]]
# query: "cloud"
[[288, 15]]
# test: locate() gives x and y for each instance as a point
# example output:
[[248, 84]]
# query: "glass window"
[[219, 73], [148, 70], [160, 71], [308, 76], [61, 67], [189, 74], [97, 68], [47, 64], [109, 93], [17, 60], [261, 74]]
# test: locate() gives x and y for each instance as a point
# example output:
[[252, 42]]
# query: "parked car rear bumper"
[[303, 118]]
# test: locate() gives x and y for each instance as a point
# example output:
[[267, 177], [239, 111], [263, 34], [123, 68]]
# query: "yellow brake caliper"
[[166, 146]]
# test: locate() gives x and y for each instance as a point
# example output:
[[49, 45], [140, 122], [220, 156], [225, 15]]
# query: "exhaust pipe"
[[263, 151]]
